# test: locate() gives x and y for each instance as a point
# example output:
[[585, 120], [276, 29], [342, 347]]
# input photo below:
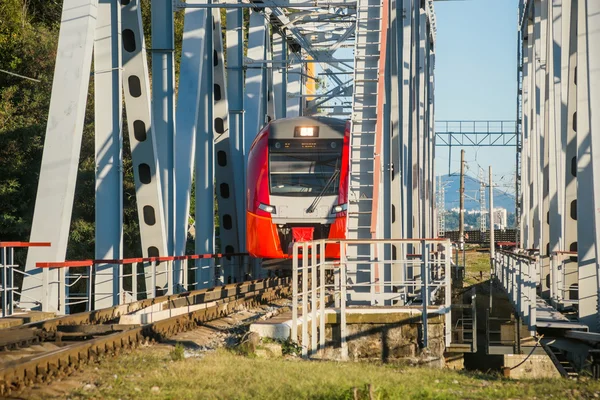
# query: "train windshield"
[[306, 173]]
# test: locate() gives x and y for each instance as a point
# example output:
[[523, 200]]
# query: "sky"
[[476, 78]]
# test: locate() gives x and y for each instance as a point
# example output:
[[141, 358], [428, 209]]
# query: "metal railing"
[[519, 276], [393, 276], [8, 266], [75, 281], [561, 292]]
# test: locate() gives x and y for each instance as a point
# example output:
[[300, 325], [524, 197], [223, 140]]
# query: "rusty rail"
[[44, 367]]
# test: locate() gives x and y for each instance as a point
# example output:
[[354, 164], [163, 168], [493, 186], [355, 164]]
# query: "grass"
[[477, 263], [178, 352], [224, 375]]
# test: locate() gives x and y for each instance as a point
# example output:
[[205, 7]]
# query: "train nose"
[[319, 212]]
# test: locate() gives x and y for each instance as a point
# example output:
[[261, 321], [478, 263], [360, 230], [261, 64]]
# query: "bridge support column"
[[588, 161], [108, 103], [62, 144]]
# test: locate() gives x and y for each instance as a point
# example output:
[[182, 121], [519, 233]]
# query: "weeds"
[[177, 354]]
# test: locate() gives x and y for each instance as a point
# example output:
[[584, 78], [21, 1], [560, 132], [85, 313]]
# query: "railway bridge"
[[244, 63]]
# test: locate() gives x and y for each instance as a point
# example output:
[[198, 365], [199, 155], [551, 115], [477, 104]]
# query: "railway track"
[[43, 351]]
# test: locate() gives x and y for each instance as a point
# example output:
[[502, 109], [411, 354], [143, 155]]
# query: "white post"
[[304, 300], [344, 344], [313, 296], [294, 337], [322, 296]]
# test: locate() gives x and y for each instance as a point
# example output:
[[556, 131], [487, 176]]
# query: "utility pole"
[[461, 221], [492, 241]]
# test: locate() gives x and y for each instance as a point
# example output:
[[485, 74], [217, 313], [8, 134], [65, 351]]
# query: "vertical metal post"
[[169, 272], [235, 97], [492, 233], [108, 137], [254, 118], [153, 278], [63, 290], [343, 342], [322, 266], [224, 167], [134, 281], [280, 75], [474, 313], [62, 144], [448, 290], [305, 277], [461, 221], [294, 337], [588, 161], [136, 90], [204, 160], [4, 266], [313, 295], [163, 108], [187, 120], [11, 280], [186, 268], [404, 15], [119, 295], [425, 289], [45, 290]]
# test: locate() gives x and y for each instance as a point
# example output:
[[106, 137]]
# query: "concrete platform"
[[25, 317], [280, 327]]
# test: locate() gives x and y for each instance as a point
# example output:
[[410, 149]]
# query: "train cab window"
[[305, 173]]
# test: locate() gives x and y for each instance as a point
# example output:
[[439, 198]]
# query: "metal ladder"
[[362, 185]]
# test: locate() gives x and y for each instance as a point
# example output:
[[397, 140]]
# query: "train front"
[[297, 184]]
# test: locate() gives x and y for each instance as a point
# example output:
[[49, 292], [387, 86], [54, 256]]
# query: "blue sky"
[[476, 77]]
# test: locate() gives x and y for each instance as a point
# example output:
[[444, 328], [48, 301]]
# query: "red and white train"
[[297, 185]]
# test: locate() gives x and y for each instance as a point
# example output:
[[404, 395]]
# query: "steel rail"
[[44, 367]]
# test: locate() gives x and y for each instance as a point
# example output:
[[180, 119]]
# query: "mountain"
[[452, 199]]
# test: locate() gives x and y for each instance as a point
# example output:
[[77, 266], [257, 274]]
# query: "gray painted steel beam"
[[224, 171], [588, 160], [569, 136], [280, 76], [235, 95], [136, 89], [206, 276], [254, 117], [187, 116], [108, 105], [163, 110], [60, 159], [404, 63]]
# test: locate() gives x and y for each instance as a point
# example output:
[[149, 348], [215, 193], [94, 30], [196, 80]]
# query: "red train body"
[[297, 185]]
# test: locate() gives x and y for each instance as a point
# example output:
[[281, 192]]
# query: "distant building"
[[500, 218]]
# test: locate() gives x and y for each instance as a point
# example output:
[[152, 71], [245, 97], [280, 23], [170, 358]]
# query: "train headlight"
[[267, 208], [339, 208], [306, 131]]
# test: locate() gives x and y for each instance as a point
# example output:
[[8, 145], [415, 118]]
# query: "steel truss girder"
[[108, 151], [60, 159], [224, 171], [142, 142], [569, 137], [255, 105], [236, 100], [189, 135], [163, 111], [280, 51], [588, 161]]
